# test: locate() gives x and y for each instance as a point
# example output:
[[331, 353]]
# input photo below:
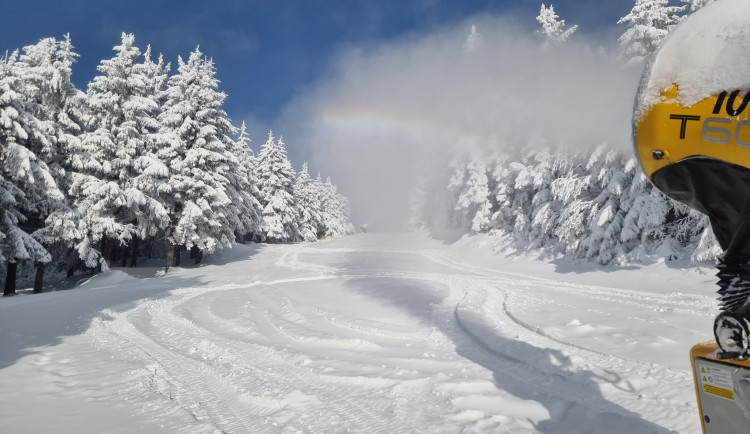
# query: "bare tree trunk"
[[134, 252], [106, 246], [178, 256], [170, 257], [114, 253], [10, 279], [72, 262], [197, 254], [124, 256], [107, 252], [98, 268], [39, 278]]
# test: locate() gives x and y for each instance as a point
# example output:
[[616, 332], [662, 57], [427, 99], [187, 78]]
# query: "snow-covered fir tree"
[[195, 133], [606, 219], [117, 153], [473, 40], [707, 247], [140, 155], [335, 220], [29, 159], [244, 183], [276, 183], [503, 192], [545, 207], [473, 205], [521, 205], [635, 198], [310, 207], [594, 205], [553, 28], [693, 5], [47, 68], [148, 85], [648, 23]]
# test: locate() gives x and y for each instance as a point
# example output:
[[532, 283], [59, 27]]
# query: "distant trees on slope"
[[596, 205], [648, 23], [143, 162], [553, 29]]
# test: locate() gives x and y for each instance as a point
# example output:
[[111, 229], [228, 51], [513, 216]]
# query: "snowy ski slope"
[[373, 333]]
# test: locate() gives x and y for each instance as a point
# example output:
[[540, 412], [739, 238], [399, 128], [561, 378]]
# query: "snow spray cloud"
[[383, 112]]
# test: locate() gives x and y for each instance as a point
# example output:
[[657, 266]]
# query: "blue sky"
[[267, 52]]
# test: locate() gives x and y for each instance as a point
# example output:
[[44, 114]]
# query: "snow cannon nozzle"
[[731, 330]]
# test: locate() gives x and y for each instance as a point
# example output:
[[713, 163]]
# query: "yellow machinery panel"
[[723, 391], [717, 127]]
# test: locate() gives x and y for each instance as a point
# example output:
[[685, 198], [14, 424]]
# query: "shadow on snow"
[[31, 323], [530, 373]]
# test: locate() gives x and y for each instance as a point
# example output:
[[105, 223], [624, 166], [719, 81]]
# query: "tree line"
[[648, 23], [597, 206], [594, 205], [144, 162]]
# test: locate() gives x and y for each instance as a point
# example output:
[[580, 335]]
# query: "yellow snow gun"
[[700, 155], [691, 131]]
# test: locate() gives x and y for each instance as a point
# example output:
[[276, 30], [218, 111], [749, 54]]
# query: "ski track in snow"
[[266, 356]]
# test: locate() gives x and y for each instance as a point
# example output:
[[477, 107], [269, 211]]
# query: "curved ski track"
[[265, 357]]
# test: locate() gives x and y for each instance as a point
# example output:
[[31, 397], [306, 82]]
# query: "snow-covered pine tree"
[[606, 219], [457, 180], [553, 29], [470, 191], [521, 207], [653, 217], [545, 208], [27, 150], [244, 183], [648, 23], [65, 106], [693, 5], [592, 190], [503, 176], [47, 66], [335, 216], [474, 204], [46, 73], [321, 196], [310, 207], [195, 130], [707, 248], [473, 40], [151, 164], [632, 204], [685, 227], [594, 205], [276, 182], [114, 153]]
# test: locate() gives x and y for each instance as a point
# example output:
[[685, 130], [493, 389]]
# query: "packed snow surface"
[[705, 54], [373, 333]]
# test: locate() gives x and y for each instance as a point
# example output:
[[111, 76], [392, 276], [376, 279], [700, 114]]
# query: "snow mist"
[[385, 113]]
